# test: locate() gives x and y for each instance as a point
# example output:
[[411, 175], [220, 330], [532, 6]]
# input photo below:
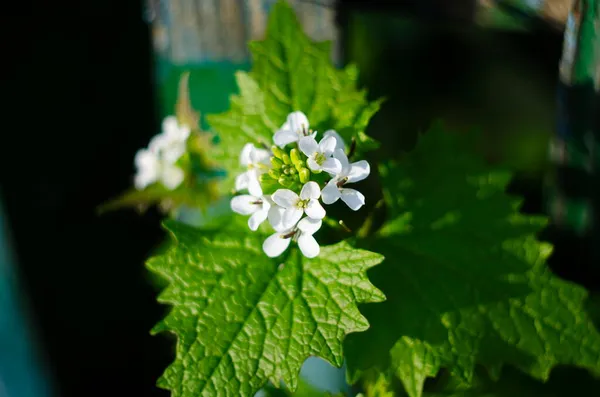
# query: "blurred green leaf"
[[465, 277]]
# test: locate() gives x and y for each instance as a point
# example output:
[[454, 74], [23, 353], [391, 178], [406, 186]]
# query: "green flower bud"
[[276, 163], [286, 159], [275, 174], [265, 178], [278, 152], [304, 174], [285, 182], [295, 156]]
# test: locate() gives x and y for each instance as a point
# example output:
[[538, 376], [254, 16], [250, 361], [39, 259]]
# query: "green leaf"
[[290, 73], [465, 278], [243, 319], [564, 381]]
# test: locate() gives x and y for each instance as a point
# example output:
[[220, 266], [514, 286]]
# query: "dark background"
[[80, 96], [80, 101]]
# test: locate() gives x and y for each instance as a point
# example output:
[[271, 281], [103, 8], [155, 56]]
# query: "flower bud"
[[295, 156], [275, 174], [277, 152], [265, 178], [285, 182], [276, 163], [304, 175]]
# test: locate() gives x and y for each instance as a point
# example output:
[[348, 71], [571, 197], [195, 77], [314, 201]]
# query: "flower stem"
[[336, 224], [366, 227]]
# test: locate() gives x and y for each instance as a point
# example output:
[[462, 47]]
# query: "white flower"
[[151, 169], [319, 155], [171, 143], [278, 242], [340, 144], [295, 127], [157, 163], [257, 206], [294, 206], [256, 161], [350, 173]]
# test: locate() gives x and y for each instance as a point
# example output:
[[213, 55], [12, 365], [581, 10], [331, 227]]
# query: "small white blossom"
[[157, 163], [320, 155], [294, 206], [256, 206], [151, 168], [340, 144], [171, 143], [350, 173], [256, 161], [278, 242], [295, 127]]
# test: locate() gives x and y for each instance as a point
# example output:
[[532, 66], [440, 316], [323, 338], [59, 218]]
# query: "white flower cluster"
[[157, 163], [287, 187]]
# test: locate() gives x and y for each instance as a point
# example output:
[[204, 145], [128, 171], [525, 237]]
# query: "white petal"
[[359, 171], [145, 159], [341, 156], [173, 152], [184, 133], [310, 190], [274, 245], [157, 143], [339, 140], [170, 126], [260, 156], [315, 210], [253, 184], [172, 176], [241, 181], [312, 164], [327, 145], [143, 179], [283, 137], [330, 193], [308, 145], [244, 204], [266, 205], [276, 218], [353, 198], [245, 159], [285, 198], [257, 218], [291, 216], [332, 166], [309, 225], [298, 122], [308, 245]]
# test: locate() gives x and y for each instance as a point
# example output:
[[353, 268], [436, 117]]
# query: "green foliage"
[[290, 72], [465, 277], [469, 293], [243, 319]]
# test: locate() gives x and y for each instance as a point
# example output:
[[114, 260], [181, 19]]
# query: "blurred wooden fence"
[[198, 31]]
